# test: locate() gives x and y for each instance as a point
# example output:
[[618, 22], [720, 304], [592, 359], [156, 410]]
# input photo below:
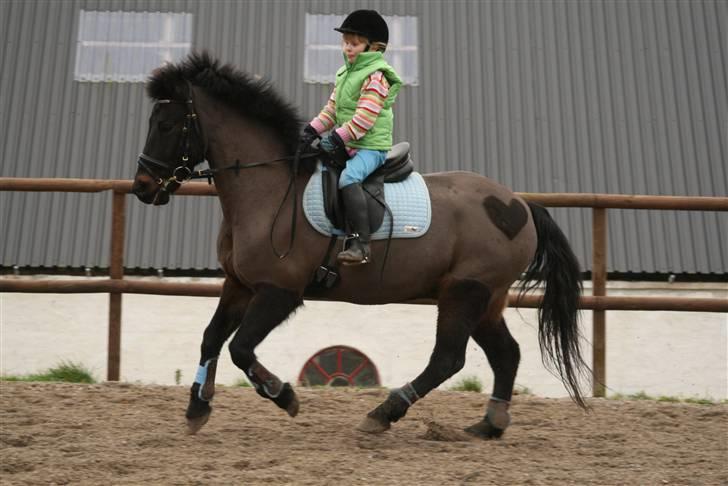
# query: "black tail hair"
[[558, 315]]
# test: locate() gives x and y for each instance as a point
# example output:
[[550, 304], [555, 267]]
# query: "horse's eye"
[[165, 126]]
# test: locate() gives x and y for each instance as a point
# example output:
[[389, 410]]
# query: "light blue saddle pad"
[[409, 201]]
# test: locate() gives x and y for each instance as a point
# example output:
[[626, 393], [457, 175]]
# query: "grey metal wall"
[[544, 96]]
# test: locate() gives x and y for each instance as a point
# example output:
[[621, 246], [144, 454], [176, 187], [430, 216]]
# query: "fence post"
[[599, 288], [116, 271]]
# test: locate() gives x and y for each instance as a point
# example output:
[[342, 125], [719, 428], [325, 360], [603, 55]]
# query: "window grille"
[[339, 366], [125, 47], [323, 57]]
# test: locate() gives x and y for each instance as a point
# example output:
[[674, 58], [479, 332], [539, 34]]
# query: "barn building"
[[543, 96]]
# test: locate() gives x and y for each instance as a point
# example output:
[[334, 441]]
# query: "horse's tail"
[[558, 315]]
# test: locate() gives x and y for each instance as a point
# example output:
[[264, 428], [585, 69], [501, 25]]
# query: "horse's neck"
[[249, 197]]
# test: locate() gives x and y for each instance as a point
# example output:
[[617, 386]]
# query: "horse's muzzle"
[[146, 189]]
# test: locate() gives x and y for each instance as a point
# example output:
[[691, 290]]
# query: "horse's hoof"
[[287, 400], [484, 430], [292, 408], [195, 424], [373, 426]]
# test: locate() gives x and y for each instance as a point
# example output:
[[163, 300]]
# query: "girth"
[[396, 168]]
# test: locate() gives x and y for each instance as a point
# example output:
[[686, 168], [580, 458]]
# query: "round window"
[[339, 366]]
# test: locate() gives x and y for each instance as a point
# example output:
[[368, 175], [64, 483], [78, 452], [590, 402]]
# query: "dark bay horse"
[[481, 240]]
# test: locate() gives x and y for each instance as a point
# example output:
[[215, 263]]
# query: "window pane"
[[322, 53], [313, 377], [350, 361], [126, 46], [367, 377]]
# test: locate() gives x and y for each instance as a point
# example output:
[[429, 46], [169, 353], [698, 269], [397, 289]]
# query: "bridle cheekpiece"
[[182, 173]]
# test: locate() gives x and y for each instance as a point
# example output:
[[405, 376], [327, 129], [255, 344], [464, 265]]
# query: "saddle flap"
[[396, 168], [408, 201]]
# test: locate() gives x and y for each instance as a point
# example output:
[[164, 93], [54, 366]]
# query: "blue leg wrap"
[[201, 377]]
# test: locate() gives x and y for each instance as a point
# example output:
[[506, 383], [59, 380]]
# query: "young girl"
[[360, 110]]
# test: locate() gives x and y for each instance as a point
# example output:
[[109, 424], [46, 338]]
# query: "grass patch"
[[662, 398], [640, 396], [66, 371], [522, 390], [242, 382], [11, 378], [699, 401], [468, 384]]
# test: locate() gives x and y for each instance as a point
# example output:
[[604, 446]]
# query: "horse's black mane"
[[254, 98]]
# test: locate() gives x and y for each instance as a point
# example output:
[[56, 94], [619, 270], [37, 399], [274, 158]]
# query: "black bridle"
[[184, 172]]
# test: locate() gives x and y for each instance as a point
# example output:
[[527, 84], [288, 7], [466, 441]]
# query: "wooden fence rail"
[[598, 302]]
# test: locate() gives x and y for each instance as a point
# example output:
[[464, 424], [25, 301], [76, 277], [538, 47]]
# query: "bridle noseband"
[[183, 172]]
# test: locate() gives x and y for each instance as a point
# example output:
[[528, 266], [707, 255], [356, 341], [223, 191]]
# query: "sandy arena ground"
[[135, 434]]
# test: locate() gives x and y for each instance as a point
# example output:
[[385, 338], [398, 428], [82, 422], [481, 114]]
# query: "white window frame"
[[401, 54], [125, 53]]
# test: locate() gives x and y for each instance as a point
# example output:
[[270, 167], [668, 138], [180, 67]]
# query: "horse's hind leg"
[[460, 305], [267, 309], [228, 316], [503, 354]]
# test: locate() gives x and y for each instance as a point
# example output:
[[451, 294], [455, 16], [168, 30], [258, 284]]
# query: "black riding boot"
[[357, 214]]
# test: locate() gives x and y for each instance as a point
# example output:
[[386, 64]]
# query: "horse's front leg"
[[269, 307], [228, 316]]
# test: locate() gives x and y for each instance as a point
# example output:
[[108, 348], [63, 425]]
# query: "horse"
[[482, 239]]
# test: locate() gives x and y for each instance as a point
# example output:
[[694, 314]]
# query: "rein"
[[184, 172]]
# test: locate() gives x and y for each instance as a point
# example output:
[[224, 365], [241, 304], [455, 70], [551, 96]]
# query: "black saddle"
[[397, 167]]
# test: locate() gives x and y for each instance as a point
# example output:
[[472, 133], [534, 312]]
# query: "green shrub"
[[468, 384], [11, 378], [522, 390], [66, 371], [699, 401], [640, 396], [662, 398], [242, 382]]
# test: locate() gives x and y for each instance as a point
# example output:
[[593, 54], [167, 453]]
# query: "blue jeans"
[[361, 165]]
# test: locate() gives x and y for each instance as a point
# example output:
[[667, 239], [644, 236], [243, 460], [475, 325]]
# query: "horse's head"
[[173, 148]]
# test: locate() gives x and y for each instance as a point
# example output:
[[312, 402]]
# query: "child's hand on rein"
[[335, 147]]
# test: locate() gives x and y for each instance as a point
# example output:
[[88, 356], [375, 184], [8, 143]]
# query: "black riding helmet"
[[366, 23]]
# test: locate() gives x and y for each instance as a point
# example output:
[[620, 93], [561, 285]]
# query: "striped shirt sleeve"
[[374, 94], [326, 120]]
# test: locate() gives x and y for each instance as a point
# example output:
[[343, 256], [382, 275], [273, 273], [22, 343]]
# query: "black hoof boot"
[[495, 422], [198, 411], [485, 430], [381, 418], [287, 400]]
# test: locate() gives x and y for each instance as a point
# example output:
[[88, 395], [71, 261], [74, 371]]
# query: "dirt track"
[[122, 433]]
